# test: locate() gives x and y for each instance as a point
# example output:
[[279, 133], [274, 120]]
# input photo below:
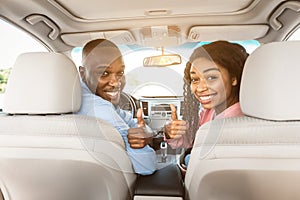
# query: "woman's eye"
[[210, 78], [193, 80]]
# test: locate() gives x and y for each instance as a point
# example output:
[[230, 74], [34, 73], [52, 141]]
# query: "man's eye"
[[104, 73], [121, 74]]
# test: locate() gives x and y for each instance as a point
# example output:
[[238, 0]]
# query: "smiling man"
[[103, 80]]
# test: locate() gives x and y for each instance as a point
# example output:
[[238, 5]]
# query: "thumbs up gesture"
[[139, 116], [176, 128], [139, 137], [174, 112]]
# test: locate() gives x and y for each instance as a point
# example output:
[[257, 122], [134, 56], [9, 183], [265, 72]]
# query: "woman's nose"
[[201, 86]]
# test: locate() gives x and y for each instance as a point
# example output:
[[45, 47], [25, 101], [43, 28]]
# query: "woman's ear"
[[234, 81]]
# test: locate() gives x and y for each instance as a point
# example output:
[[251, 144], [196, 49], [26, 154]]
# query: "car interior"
[[47, 151]]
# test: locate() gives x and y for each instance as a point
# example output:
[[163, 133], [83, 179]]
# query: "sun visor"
[[230, 32], [79, 39]]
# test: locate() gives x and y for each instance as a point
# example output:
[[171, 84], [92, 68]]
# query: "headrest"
[[271, 82], [42, 83]]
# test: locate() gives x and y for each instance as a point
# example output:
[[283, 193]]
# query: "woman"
[[212, 79]]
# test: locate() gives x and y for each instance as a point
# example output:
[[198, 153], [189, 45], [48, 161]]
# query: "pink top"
[[206, 116]]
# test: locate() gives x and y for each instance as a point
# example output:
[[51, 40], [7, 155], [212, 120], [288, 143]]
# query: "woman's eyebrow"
[[211, 69], [207, 70]]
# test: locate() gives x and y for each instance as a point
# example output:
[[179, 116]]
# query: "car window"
[[147, 81], [295, 35], [13, 42]]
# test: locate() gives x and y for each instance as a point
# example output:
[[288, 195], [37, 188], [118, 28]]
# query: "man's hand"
[[139, 137], [139, 116], [176, 128]]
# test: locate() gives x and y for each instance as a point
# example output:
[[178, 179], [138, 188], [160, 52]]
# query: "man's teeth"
[[112, 93]]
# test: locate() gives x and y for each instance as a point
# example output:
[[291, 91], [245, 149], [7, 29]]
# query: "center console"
[[166, 182], [157, 110], [157, 113]]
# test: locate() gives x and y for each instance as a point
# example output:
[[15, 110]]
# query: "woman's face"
[[212, 85]]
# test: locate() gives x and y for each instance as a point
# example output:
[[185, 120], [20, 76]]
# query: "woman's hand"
[[176, 128]]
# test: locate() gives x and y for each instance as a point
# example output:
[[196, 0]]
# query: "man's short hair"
[[98, 43]]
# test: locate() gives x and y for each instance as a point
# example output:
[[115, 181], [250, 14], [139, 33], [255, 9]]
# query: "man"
[[103, 80]]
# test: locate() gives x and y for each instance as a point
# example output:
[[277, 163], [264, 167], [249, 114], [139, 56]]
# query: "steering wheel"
[[128, 103]]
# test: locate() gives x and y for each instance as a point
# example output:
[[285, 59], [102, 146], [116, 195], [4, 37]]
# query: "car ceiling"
[[63, 24]]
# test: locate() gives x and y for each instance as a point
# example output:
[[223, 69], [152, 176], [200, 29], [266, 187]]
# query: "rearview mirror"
[[162, 60]]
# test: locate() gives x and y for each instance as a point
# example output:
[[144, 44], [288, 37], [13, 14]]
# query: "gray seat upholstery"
[[46, 151], [256, 156]]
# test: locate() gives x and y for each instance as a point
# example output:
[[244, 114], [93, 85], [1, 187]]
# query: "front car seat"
[[46, 152], [256, 156]]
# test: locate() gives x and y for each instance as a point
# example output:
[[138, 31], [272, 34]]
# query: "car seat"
[[47, 151], [256, 156]]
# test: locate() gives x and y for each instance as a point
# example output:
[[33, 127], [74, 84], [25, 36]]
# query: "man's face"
[[104, 73]]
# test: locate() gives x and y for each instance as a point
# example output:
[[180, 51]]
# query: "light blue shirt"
[[144, 159]]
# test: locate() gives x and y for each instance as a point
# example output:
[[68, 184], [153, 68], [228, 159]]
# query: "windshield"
[[156, 81]]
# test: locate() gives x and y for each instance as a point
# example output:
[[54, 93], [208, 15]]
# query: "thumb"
[[174, 113], [139, 116]]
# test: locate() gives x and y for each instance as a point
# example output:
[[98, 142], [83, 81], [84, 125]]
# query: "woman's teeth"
[[205, 98]]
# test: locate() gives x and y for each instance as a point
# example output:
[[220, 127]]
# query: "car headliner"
[[63, 24]]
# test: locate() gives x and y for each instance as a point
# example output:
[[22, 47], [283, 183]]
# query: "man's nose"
[[114, 80]]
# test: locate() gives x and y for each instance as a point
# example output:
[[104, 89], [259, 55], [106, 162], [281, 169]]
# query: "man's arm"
[[144, 159], [141, 134]]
